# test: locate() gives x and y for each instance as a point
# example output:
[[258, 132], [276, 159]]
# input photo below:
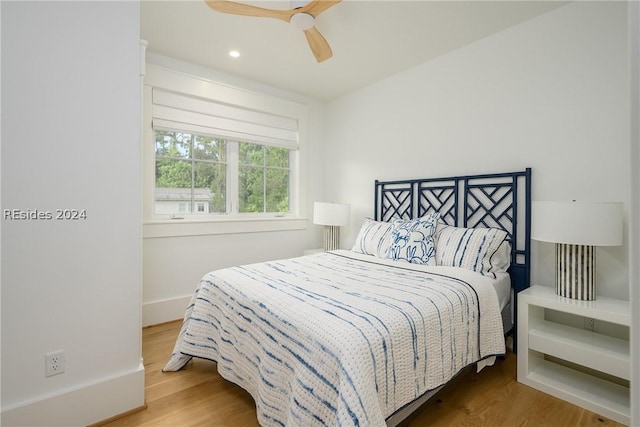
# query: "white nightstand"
[[559, 354]]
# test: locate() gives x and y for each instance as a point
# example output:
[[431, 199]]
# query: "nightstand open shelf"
[[590, 392], [580, 346], [588, 368]]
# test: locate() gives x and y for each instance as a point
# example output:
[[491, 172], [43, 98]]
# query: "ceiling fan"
[[301, 17]]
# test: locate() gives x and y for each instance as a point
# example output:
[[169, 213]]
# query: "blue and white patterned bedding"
[[339, 338]]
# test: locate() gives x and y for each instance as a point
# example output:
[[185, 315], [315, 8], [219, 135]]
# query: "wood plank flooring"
[[198, 396]]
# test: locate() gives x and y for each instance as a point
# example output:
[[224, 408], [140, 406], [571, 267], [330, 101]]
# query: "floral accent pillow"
[[412, 240]]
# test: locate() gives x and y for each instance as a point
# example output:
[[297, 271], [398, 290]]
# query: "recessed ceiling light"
[[234, 53]]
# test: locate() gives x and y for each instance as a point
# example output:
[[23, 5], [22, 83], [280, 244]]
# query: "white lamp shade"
[[577, 223], [330, 213]]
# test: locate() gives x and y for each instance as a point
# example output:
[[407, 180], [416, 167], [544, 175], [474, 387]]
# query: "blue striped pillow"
[[374, 238], [470, 248], [413, 240]]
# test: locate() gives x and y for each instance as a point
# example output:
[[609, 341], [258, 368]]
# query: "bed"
[[365, 336]]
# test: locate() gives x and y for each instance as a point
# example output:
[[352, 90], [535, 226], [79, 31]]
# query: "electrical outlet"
[[54, 363]]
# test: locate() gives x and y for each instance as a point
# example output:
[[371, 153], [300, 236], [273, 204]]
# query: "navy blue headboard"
[[501, 200]]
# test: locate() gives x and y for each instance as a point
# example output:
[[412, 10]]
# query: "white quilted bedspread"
[[339, 338]]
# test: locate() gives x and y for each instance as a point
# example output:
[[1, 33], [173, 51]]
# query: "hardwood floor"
[[198, 396]]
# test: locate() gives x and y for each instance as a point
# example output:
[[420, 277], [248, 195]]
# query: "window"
[[190, 170], [217, 176], [263, 178], [220, 159]]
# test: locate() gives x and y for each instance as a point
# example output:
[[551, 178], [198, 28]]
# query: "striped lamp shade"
[[577, 228]]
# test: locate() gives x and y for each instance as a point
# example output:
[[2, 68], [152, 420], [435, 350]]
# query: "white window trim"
[[176, 81], [198, 227]]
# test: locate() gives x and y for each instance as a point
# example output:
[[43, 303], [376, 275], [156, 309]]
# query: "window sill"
[[198, 227]]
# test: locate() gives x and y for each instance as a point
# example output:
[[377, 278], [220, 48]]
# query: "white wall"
[[70, 132], [551, 93], [172, 266], [634, 259]]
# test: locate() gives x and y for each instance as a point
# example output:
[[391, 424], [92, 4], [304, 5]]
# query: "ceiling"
[[370, 39]]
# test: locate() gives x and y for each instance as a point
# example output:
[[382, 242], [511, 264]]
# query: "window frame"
[[235, 208], [192, 161], [184, 84], [233, 166]]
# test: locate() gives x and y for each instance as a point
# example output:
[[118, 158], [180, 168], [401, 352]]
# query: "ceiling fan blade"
[[316, 7], [235, 8], [318, 44]]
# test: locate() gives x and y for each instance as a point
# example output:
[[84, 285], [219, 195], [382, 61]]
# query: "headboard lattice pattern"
[[500, 200]]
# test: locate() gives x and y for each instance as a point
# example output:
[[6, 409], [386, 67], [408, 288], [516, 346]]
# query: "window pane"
[[251, 154], [173, 144], [210, 183], [277, 157], [251, 189], [173, 186], [172, 201], [208, 148], [173, 173], [277, 190]]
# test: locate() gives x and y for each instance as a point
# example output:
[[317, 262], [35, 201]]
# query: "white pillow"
[[477, 249], [374, 238], [501, 260], [412, 240]]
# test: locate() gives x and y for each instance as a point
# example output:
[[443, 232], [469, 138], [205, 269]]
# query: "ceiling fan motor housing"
[[302, 21]]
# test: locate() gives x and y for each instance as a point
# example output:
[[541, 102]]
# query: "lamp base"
[[576, 271], [331, 237]]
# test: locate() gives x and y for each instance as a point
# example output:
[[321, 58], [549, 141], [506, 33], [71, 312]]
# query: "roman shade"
[[177, 112]]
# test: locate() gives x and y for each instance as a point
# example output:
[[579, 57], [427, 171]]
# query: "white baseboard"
[[156, 312], [83, 405]]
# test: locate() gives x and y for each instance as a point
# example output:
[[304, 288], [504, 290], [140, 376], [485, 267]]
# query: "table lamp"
[[577, 228], [332, 216]]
